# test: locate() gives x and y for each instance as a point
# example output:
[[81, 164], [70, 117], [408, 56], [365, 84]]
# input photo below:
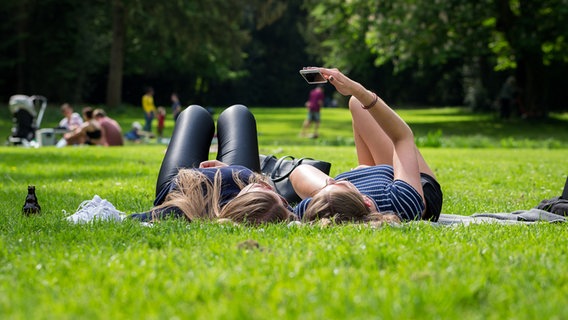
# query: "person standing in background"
[[314, 104], [149, 108], [161, 121], [176, 106]]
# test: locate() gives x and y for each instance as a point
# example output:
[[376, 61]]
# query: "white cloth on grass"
[[516, 217]]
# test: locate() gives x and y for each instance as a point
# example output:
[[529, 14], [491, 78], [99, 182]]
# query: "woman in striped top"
[[392, 177]]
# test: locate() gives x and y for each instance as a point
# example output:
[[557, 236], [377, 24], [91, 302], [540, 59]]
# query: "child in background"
[[135, 134], [161, 120]]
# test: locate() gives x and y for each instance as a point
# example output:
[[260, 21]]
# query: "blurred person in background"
[[90, 132], [149, 108], [314, 105], [71, 119], [112, 130], [176, 106]]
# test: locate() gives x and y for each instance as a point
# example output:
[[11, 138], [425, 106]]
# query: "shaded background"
[[215, 53]]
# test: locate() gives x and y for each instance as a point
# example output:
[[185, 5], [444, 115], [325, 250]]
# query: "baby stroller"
[[25, 117]]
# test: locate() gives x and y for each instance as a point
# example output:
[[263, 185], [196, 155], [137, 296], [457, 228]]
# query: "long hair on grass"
[[256, 208], [193, 196], [199, 198], [342, 206]]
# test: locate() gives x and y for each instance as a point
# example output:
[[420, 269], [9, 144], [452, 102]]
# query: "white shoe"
[[107, 211], [61, 143], [85, 209], [96, 208]]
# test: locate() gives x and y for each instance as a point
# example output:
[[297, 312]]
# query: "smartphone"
[[313, 76]]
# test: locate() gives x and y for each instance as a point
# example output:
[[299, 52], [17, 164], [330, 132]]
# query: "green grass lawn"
[[51, 269]]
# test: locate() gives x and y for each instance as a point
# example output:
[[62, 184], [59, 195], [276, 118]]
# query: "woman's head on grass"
[[257, 207], [343, 204]]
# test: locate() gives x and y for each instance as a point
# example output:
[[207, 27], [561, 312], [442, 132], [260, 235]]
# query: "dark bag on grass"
[[278, 170], [556, 205]]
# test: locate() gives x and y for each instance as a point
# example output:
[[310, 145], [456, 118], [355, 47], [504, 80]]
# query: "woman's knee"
[[193, 110], [194, 115], [235, 111], [358, 115], [236, 115], [355, 106]]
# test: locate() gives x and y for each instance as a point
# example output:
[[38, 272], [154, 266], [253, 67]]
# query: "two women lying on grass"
[[392, 183]]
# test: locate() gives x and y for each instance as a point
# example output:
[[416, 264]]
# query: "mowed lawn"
[[52, 269]]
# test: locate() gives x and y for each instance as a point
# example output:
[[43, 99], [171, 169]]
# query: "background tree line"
[[219, 52]]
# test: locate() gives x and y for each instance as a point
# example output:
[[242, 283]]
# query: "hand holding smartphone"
[[313, 76]]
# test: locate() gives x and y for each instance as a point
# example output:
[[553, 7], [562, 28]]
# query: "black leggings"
[[191, 140]]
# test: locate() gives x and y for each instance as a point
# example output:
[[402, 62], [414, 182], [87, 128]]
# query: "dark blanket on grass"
[[515, 217]]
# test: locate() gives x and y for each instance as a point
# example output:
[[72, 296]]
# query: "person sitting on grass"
[[90, 132], [113, 131], [71, 120], [135, 133], [230, 187], [392, 176]]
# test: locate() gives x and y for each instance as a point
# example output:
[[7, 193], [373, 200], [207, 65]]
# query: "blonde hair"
[[341, 206], [193, 195], [256, 208], [199, 198]]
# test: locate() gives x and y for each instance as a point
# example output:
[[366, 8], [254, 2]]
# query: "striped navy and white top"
[[378, 183]]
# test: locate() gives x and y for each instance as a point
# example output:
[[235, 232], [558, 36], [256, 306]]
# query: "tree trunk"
[[22, 29], [530, 66], [114, 84], [529, 74]]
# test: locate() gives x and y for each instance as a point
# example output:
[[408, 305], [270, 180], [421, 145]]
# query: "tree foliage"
[[228, 51], [199, 40], [49, 47], [69, 42], [512, 34]]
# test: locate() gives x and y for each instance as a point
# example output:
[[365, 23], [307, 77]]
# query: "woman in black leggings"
[[191, 186]]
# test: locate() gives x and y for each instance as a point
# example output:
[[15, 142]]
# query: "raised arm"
[[405, 155]]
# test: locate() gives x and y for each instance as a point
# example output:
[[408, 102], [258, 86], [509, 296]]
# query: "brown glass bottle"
[[31, 206]]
